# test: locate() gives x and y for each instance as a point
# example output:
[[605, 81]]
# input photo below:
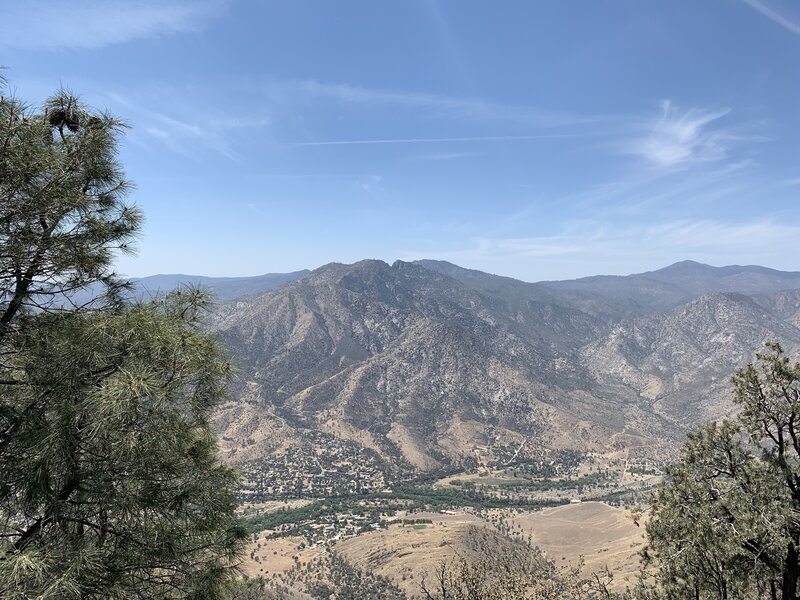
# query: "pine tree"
[[62, 205], [110, 484], [726, 522]]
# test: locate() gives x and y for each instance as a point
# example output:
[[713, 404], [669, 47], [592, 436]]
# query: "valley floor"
[[589, 517], [593, 534]]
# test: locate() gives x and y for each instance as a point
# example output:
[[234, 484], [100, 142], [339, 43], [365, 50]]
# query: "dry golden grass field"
[[599, 535], [603, 535]]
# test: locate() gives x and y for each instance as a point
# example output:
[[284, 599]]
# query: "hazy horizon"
[[389, 262]]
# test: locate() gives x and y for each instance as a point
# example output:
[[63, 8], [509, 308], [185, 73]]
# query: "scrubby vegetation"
[[496, 567]]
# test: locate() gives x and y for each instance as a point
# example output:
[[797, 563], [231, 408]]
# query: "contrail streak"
[[488, 138], [774, 16]]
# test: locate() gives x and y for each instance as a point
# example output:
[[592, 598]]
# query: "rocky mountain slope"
[[682, 359], [429, 365]]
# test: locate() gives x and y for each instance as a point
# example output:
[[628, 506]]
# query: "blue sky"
[[540, 140]]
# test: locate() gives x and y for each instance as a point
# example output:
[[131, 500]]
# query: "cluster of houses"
[[332, 467]]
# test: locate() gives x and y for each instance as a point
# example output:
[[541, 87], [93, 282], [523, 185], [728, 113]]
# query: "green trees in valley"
[[110, 485]]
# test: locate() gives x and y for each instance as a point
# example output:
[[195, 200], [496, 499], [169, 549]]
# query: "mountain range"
[[432, 366], [222, 288]]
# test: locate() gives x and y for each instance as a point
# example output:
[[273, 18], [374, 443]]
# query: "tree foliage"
[[110, 484], [725, 524], [62, 203]]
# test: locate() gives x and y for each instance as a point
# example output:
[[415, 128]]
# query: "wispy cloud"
[[255, 208], [371, 184], [647, 189], [440, 105], [775, 16], [210, 130], [59, 24], [675, 137], [637, 246], [482, 138], [715, 235]]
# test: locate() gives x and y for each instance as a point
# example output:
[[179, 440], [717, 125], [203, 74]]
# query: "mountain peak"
[[687, 264]]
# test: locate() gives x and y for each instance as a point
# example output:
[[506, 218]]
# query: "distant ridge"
[[662, 289], [223, 288], [638, 293]]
